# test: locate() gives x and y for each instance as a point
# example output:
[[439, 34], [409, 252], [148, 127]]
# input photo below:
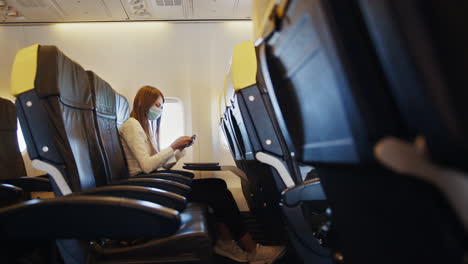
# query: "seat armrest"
[[309, 191], [214, 166], [31, 184], [44, 176], [166, 176], [170, 186], [202, 166], [10, 194], [87, 218], [179, 172], [158, 196]]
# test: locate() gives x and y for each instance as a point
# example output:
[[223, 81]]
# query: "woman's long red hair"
[[144, 99]]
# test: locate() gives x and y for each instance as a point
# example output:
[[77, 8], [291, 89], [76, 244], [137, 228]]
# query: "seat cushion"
[[192, 242]]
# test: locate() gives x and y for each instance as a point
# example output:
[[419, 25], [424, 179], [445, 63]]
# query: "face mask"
[[154, 113]]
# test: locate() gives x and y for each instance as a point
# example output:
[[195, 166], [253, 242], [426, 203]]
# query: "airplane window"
[[21, 142], [172, 122]]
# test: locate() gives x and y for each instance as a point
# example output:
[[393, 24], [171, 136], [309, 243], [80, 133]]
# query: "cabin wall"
[[184, 60]]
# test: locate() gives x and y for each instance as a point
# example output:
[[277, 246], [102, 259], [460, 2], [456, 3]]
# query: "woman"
[[141, 146]]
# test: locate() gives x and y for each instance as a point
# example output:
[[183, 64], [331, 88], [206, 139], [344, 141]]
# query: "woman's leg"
[[215, 193]]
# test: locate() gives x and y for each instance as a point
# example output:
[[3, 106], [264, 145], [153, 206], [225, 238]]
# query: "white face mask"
[[154, 113]]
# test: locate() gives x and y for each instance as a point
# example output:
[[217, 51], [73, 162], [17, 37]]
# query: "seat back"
[[55, 109], [422, 48], [257, 132], [107, 121], [332, 100], [11, 161], [329, 97]]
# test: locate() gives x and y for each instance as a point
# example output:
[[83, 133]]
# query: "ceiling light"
[[138, 7], [140, 12], [12, 13], [135, 2]]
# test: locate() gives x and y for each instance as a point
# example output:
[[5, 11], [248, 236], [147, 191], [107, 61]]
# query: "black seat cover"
[[333, 98], [106, 123], [11, 162], [422, 48], [59, 119]]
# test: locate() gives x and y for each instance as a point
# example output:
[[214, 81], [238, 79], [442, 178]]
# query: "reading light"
[[12, 13]]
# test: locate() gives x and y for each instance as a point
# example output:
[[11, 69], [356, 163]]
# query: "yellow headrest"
[[244, 65], [24, 70], [262, 9]]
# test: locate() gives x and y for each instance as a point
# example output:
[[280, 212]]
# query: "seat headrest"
[[51, 73], [8, 115], [122, 109], [244, 65], [104, 95]]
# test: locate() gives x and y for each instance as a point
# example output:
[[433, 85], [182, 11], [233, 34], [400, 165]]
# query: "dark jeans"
[[215, 193]]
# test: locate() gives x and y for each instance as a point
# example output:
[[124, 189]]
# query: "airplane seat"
[[12, 166], [432, 58], [56, 110], [333, 102], [264, 195], [106, 125], [10, 194], [269, 147], [11, 162]]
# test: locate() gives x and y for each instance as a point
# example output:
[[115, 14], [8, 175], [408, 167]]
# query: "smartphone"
[[193, 140]]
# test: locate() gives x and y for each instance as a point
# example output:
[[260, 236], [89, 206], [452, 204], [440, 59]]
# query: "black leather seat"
[[12, 169], [333, 100], [106, 123], [260, 191], [10, 194], [11, 162], [60, 130], [255, 114]]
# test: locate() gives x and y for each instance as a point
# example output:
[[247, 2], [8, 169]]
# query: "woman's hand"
[[181, 143]]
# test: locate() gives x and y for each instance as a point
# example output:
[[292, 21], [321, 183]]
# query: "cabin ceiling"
[[57, 11]]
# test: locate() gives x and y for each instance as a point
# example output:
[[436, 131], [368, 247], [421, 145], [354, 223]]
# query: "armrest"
[[87, 218], [10, 194], [166, 176], [31, 184], [214, 166], [170, 186], [202, 166], [309, 191], [179, 172], [158, 196], [44, 176]]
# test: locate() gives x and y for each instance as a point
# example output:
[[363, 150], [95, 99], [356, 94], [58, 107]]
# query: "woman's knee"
[[214, 183]]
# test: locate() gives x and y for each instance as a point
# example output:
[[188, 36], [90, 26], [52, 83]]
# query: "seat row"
[[348, 116], [70, 120]]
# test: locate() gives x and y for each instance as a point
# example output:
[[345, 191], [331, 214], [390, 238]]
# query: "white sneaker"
[[230, 249], [265, 254]]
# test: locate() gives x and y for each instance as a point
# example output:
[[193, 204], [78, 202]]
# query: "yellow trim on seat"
[[244, 65], [262, 10], [23, 73]]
